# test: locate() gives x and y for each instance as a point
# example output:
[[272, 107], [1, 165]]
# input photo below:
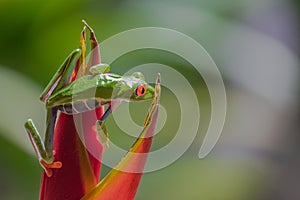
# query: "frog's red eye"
[[140, 90]]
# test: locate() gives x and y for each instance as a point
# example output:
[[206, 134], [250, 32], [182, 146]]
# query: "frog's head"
[[135, 88]]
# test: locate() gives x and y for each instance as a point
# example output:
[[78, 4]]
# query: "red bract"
[[122, 181], [80, 171], [78, 178]]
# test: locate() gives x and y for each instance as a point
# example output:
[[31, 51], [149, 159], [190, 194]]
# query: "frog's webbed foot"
[[99, 69], [102, 134], [48, 167], [101, 128]]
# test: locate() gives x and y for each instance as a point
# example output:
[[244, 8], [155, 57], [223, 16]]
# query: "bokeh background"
[[255, 45]]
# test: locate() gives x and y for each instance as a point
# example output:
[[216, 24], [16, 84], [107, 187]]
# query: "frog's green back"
[[103, 87], [99, 86]]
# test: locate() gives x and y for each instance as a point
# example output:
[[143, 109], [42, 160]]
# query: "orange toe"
[[54, 165], [48, 172]]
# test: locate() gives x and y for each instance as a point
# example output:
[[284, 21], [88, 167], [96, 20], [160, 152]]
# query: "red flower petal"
[[122, 182], [81, 170]]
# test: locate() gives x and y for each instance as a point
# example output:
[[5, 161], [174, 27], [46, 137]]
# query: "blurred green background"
[[255, 45]]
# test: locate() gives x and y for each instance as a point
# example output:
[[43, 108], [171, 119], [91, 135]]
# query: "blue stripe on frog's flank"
[[80, 106], [92, 103]]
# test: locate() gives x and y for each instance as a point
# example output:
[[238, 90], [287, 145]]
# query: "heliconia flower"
[[78, 178]]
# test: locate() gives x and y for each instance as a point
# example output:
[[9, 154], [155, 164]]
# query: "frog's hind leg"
[[62, 77], [44, 150]]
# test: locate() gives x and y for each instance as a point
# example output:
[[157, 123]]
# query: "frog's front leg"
[[102, 134], [100, 124], [101, 128], [99, 69], [44, 150]]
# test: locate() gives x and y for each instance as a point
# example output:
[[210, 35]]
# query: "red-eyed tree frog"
[[86, 93]]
